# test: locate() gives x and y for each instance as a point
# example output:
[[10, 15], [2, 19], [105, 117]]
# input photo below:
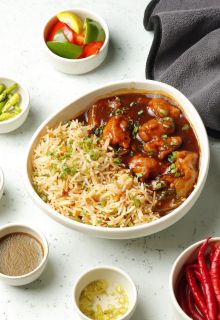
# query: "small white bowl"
[[110, 274], [77, 66], [14, 123], [2, 183], [187, 256], [33, 275]]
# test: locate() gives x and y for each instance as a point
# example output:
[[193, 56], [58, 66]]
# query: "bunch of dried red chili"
[[198, 291]]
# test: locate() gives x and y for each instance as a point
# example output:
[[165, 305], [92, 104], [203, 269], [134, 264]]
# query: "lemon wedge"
[[72, 20]]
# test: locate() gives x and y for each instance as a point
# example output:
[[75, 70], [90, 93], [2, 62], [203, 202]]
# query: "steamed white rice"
[[82, 179]]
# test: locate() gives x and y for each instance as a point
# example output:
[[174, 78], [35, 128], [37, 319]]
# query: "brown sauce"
[[137, 110], [20, 253]]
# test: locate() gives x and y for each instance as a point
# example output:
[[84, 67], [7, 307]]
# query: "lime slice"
[[93, 31], [72, 20]]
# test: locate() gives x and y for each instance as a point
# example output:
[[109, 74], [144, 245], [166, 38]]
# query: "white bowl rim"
[[111, 268], [2, 180], [25, 106], [172, 294], [43, 240], [144, 226], [87, 11]]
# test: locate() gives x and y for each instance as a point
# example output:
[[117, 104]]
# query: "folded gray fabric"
[[185, 52]]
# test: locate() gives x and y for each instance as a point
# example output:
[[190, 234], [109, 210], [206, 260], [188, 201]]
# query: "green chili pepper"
[[2, 87], [11, 102], [4, 94], [6, 116], [2, 105]]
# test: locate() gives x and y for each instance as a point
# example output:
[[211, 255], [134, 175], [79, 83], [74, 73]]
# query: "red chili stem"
[[206, 283], [199, 300], [194, 314], [215, 273]]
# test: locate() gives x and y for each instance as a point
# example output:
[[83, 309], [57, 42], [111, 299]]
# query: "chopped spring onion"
[[117, 161], [163, 112], [139, 175], [164, 136], [185, 127], [118, 111], [172, 157]]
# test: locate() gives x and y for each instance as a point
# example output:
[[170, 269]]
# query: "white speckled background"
[[147, 260]]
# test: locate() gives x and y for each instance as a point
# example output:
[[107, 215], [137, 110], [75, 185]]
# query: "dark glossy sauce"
[[134, 106]]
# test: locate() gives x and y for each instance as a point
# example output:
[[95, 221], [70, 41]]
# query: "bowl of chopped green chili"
[[14, 104]]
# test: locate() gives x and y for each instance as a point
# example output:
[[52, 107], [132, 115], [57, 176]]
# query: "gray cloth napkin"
[[185, 52]]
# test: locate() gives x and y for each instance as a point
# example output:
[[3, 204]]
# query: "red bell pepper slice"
[[71, 36], [91, 49]]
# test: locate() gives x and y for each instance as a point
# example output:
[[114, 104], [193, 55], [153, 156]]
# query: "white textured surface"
[[147, 260]]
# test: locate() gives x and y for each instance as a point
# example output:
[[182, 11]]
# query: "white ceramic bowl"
[[33, 275], [2, 183], [14, 123], [187, 256], [82, 104], [113, 276], [77, 66]]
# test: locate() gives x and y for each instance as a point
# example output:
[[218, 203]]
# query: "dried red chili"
[[215, 273], [206, 283], [193, 286], [192, 309]]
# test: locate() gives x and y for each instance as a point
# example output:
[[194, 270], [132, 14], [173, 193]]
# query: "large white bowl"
[[82, 104], [77, 66], [2, 183]]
